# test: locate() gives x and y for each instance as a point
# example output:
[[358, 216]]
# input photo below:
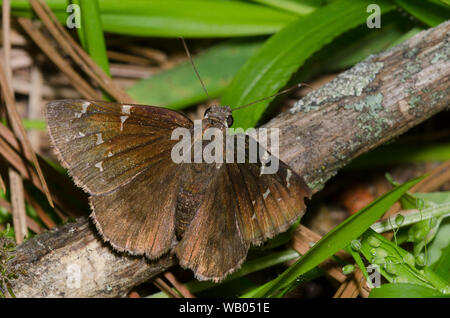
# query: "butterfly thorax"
[[198, 180], [217, 117]]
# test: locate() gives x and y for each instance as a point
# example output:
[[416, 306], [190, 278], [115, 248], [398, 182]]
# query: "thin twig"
[[184, 291], [18, 206], [78, 55], [83, 87]]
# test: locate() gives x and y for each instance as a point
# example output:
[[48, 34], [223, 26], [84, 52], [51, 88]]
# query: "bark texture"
[[376, 100]]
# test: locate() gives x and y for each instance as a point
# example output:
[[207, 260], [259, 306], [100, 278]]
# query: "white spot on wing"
[[288, 177], [99, 165], [266, 193], [253, 202], [99, 139], [81, 134], [110, 154], [78, 115], [122, 120], [84, 107], [126, 109], [254, 216]]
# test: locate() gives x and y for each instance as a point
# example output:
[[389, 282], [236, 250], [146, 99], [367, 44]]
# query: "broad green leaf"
[[404, 290], [426, 11], [335, 240], [179, 87], [188, 18], [298, 7], [273, 65]]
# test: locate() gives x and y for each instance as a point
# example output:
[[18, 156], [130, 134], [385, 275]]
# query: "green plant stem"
[[414, 216]]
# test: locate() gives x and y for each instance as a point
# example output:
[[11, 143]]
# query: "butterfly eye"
[[206, 112], [230, 121]]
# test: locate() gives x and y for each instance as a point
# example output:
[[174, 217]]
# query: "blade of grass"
[[80, 30], [91, 27], [360, 263], [273, 65], [335, 240], [426, 11], [93, 38], [290, 6], [187, 18]]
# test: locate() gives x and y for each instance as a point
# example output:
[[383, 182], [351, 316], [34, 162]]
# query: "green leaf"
[[404, 290], [394, 263], [426, 11], [297, 7], [439, 251], [435, 197], [178, 87], [188, 18], [336, 239], [435, 211], [92, 30], [273, 65]]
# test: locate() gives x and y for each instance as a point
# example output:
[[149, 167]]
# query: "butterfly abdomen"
[[187, 203]]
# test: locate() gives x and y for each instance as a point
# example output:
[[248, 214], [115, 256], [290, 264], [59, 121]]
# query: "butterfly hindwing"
[[139, 217], [212, 246], [268, 203], [241, 207]]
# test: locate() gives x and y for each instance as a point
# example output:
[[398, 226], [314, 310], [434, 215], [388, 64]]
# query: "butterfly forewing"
[[105, 145]]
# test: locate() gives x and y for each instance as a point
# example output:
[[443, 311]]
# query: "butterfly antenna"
[[193, 66], [287, 90]]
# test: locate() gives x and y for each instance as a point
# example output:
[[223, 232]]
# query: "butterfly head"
[[219, 116]]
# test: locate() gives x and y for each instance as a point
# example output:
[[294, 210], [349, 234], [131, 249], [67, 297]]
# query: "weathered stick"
[[362, 108]]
